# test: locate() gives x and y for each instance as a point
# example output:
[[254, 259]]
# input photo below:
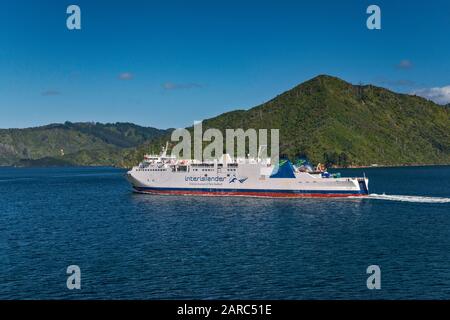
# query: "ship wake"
[[417, 199]]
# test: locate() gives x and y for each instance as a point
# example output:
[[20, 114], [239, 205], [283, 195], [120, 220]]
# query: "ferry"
[[166, 175]]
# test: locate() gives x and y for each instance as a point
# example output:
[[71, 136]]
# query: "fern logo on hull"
[[234, 179]]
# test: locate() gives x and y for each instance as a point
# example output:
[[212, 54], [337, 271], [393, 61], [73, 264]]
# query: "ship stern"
[[363, 186]]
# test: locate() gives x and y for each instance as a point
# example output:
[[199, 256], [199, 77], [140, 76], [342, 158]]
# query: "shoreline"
[[392, 166], [331, 168]]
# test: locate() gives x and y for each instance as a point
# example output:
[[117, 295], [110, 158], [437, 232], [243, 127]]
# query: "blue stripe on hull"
[[214, 190]]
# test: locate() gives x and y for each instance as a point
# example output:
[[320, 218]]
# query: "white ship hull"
[[251, 180]]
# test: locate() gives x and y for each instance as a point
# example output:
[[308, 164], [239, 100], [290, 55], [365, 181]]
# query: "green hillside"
[[325, 119], [332, 121], [72, 143]]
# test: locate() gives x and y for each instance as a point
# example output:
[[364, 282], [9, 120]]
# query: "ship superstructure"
[[258, 177]]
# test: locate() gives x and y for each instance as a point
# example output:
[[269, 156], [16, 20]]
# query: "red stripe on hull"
[[253, 194]]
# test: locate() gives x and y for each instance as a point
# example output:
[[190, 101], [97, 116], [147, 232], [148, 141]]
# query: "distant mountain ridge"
[[80, 143]]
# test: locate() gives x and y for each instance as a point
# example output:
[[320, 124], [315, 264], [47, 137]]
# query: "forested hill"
[[330, 120], [72, 143], [326, 119]]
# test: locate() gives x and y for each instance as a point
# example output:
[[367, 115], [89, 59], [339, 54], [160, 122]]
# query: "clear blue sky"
[[168, 63]]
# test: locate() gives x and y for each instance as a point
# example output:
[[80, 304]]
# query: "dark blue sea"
[[133, 246]]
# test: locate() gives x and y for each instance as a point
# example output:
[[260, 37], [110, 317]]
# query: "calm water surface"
[[162, 247]]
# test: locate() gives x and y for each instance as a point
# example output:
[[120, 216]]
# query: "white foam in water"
[[409, 198]]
